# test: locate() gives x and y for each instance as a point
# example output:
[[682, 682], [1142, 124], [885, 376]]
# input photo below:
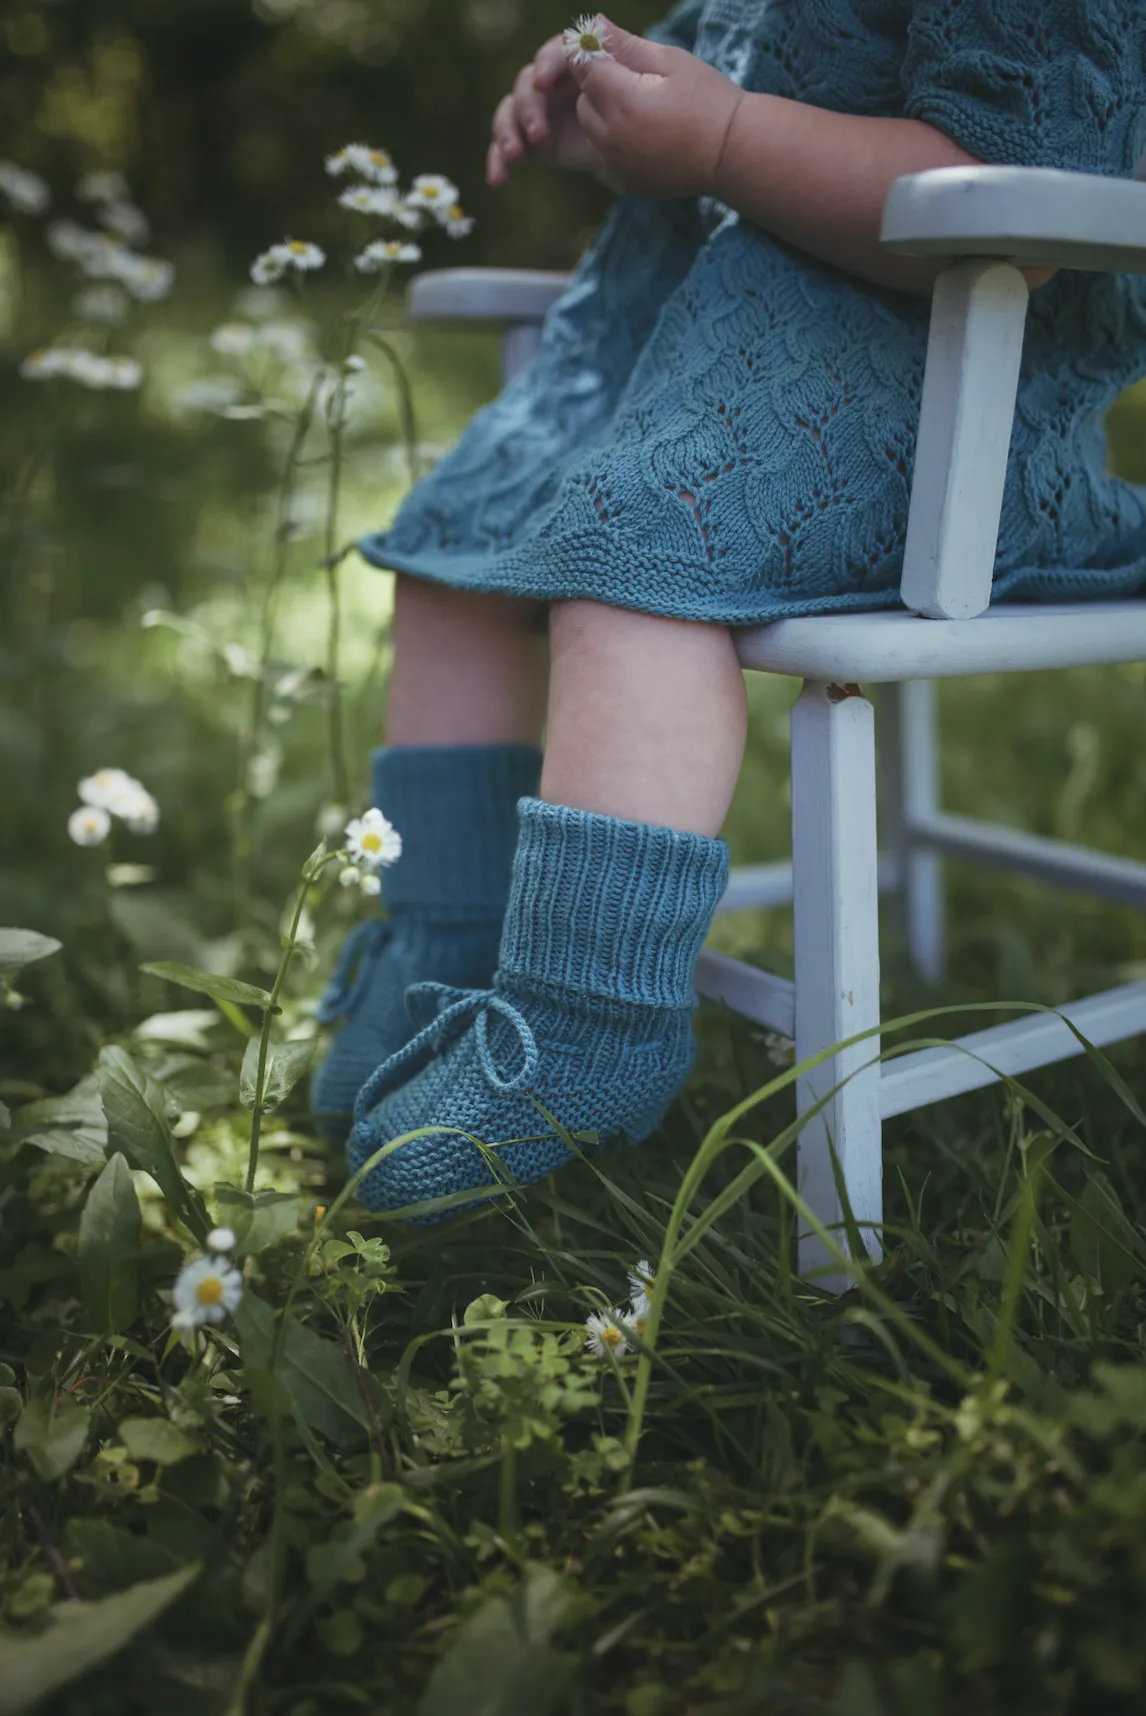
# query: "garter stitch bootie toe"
[[589, 1016], [456, 810]]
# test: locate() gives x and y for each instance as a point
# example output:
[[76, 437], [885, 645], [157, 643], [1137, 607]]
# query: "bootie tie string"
[[352, 973], [449, 1011]]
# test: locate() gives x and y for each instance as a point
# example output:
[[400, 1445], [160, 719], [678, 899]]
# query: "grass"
[[395, 1480]]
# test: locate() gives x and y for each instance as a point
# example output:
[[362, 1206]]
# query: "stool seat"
[[495, 296], [1011, 638]]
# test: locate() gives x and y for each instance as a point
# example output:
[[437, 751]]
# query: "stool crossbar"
[[985, 224]]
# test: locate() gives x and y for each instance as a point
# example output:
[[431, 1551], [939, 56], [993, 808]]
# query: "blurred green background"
[[115, 505]]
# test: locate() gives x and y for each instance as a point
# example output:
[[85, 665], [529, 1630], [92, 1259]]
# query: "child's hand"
[[539, 120], [657, 117]]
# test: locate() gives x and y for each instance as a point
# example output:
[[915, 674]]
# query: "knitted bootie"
[[589, 1017], [455, 809]]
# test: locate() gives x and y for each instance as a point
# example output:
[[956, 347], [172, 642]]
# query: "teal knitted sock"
[[589, 1015], [455, 808]]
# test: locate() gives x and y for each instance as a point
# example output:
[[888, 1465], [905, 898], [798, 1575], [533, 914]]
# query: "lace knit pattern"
[[588, 1022], [719, 427]]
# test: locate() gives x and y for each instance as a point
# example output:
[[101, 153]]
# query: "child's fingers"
[[529, 108], [506, 132], [605, 85], [635, 52], [550, 66], [496, 173]]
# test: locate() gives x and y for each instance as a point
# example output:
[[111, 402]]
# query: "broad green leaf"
[[108, 1251], [155, 922], [501, 1662], [72, 1125], [53, 1440], [79, 1636], [200, 1086], [1103, 1242], [156, 1439], [188, 1028], [259, 1219], [137, 1125], [315, 1373], [340, 1561], [286, 1064], [114, 1559], [206, 983], [21, 947]]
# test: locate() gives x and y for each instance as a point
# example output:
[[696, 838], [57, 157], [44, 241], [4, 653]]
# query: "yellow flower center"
[[379, 157], [589, 42], [372, 842], [299, 248], [457, 212], [612, 1336], [209, 1290], [431, 191]]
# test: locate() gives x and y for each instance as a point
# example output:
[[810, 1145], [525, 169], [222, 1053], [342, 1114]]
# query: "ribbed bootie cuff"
[[612, 909], [455, 808]]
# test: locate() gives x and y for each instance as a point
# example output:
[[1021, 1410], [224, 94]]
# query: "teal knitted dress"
[[719, 427]]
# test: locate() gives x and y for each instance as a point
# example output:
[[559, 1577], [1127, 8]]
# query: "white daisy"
[[354, 364], [122, 372], [606, 1334], [205, 1291], [108, 789], [90, 825], [638, 1316], [369, 199], [292, 253], [43, 364], [372, 841], [330, 820], [232, 339], [587, 40], [123, 218], [372, 164], [25, 191], [88, 368], [107, 304], [642, 1278], [457, 223], [290, 341], [72, 242], [214, 393], [148, 278], [431, 191], [384, 252], [221, 1239], [142, 816], [102, 187], [260, 303]]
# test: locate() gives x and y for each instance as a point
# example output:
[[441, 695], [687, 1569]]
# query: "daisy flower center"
[[590, 43], [372, 842], [298, 247], [612, 1336], [209, 1291], [379, 158]]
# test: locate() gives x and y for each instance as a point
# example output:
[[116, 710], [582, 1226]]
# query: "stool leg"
[[918, 726], [837, 960]]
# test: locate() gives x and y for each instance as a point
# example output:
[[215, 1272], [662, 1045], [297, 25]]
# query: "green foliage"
[[395, 1479]]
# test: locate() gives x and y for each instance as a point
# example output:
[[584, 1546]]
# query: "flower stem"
[[253, 733], [310, 873]]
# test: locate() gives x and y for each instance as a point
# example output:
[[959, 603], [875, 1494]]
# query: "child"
[[718, 431]]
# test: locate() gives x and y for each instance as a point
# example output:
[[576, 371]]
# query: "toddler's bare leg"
[[469, 669], [647, 717]]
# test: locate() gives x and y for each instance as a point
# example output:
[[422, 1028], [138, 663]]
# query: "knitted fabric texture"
[[588, 1020], [456, 809], [719, 427]]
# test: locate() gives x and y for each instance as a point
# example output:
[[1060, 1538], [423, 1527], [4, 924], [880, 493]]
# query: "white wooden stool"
[[985, 223]]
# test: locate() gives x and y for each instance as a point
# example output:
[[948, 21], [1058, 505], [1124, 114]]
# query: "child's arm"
[[667, 124]]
